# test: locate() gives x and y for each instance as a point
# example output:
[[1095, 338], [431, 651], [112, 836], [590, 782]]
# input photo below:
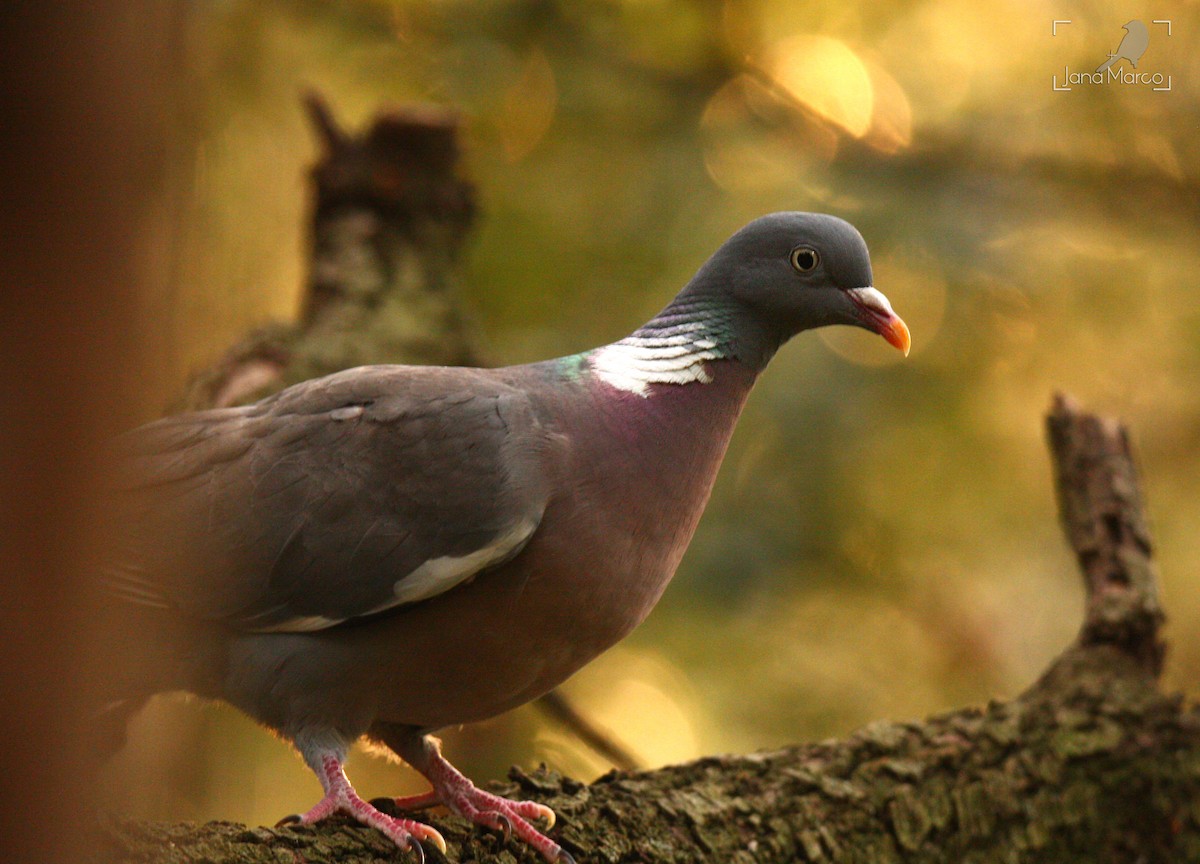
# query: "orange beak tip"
[[875, 313], [898, 335]]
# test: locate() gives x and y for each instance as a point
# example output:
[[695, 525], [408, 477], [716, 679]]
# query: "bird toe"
[[425, 834], [534, 810], [415, 848], [497, 821]]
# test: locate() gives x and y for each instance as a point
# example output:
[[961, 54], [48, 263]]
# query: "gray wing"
[[337, 498]]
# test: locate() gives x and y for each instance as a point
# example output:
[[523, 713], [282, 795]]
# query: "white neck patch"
[[636, 362]]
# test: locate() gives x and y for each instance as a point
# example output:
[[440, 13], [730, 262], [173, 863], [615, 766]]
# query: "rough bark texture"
[[1095, 777], [1092, 764], [1101, 509]]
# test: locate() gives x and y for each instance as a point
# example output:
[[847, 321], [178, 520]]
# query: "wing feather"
[[337, 498]]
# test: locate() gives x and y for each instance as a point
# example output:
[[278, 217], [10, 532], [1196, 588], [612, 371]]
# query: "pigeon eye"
[[805, 259]]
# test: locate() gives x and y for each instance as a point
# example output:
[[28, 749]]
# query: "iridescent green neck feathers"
[[673, 348]]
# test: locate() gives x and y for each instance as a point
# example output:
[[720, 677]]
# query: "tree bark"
[[1093, 763]]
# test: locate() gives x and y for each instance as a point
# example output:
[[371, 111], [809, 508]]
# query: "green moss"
[[938, 802], [910, 819], [973, 809], [1076, 741], [810, 842]]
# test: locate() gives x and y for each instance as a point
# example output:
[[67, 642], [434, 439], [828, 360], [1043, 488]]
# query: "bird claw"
[[449, 788], [501, 823], [510, 818], [414, 846], [543, 813], [290, 819], [419, 831]]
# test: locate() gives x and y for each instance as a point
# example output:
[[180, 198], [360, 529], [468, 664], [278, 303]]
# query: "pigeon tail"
[[188, 655]]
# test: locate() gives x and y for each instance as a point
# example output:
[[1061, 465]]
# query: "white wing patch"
[[441, 574], [434, 577], [636, 362]]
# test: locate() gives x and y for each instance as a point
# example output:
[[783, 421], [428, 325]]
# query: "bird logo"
[[1132, 47]]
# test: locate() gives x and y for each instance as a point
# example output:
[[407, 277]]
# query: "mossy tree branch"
[[1100, 505]]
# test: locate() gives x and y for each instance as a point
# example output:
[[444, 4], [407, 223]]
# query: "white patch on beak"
[[873, 300], [877, 312]]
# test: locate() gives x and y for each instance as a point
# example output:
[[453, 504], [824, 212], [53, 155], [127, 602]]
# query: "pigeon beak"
[[876, 314]]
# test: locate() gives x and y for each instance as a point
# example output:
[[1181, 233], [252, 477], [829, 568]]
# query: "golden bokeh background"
[[882, 542]]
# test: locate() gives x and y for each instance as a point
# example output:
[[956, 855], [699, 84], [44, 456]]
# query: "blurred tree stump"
[[390, 214], [1093, 763]]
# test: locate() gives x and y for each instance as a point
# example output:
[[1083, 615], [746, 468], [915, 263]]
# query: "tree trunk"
[[389, 217], [1092, 764]]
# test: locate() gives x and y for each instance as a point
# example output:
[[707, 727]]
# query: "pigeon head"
[[779, 275], [789, 272]]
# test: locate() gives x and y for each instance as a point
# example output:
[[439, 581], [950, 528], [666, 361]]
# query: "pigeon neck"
[[674, 347]]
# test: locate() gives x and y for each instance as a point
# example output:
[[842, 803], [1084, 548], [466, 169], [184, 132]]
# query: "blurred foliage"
[[882, 541]]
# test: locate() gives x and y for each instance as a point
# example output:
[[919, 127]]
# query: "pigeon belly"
[[642, 468]]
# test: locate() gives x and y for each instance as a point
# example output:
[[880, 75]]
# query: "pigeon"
[[390, 550], [1133, 45]]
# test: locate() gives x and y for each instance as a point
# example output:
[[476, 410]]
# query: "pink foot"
[[340, 797], [461, 796]]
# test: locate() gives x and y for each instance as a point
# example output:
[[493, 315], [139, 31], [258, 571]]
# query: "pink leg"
[[461, 796], [340, 797]]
